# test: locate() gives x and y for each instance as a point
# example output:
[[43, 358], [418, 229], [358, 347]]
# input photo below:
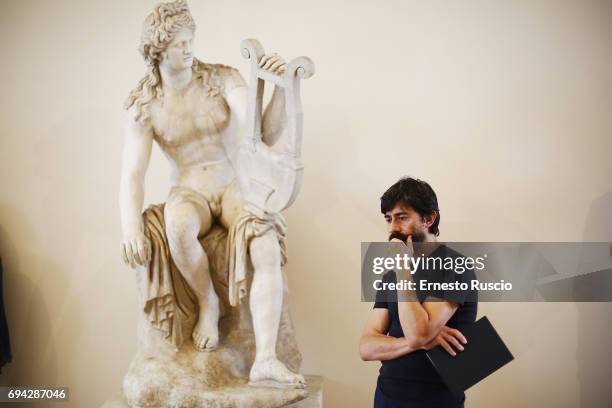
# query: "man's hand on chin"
[[402, 248], [407, 243]]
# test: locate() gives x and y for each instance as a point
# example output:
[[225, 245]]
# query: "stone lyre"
[[270, 178]]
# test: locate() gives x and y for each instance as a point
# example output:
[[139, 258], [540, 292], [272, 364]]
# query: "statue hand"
[[273, 63], [136, 249]]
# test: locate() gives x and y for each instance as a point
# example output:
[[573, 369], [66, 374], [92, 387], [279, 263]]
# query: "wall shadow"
[[594, 349], [29, 316]]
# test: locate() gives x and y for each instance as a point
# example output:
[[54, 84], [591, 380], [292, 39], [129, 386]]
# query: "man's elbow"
[[364, 350]]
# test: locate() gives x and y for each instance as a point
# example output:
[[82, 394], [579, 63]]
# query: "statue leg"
[[187, 217], [265, 301]]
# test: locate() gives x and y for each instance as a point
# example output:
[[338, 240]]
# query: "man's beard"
[[416, 236]]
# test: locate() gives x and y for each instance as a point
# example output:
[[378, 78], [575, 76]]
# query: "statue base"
[[246, 396], [166, 372]]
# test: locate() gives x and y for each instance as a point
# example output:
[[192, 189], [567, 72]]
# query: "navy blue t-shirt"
[[411, 380]]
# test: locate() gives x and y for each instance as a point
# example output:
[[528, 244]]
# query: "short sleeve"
[[459, 280], [380, 302], [458, 295], [385, 296]]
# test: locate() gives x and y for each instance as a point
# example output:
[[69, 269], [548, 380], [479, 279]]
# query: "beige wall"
[[504, 107]]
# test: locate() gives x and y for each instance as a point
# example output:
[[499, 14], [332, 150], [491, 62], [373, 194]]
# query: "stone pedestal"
[[315, 393], [245, 396], [160, 375]]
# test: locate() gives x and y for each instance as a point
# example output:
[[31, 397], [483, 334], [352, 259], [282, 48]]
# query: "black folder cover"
[[484, 353]]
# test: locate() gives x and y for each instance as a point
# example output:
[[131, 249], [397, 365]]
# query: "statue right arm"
[[135, 247]]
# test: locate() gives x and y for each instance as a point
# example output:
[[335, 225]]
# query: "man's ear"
[[430, 219]]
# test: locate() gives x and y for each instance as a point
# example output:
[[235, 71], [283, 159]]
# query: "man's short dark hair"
[[413, 193]]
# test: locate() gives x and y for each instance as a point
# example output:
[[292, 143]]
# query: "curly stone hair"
[[158, 30]]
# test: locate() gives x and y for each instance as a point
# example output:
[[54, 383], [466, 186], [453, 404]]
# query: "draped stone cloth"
[[168, 299], [247, 226]]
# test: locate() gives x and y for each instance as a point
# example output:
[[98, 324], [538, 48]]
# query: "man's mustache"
[[398, 235]]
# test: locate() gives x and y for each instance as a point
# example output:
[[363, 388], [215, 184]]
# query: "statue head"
[[162, 26], [166, 39]]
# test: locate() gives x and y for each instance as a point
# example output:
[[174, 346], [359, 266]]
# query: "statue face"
[[179, 53]]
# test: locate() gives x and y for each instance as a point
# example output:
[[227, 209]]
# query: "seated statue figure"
[[195, 112]]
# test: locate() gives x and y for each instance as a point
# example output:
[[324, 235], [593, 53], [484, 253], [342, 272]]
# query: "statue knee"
[[181, 227], [265, 252]]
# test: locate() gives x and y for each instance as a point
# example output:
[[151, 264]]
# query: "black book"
[[484, 353]]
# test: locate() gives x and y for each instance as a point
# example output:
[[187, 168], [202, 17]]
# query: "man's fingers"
[[447, 347], [459, 335], [456, 333], [453, 341]]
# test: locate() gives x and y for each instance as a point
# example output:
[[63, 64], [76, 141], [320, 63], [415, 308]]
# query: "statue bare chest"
[[180, 120]]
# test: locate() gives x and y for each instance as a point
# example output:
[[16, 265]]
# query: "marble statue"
[[234, 169]]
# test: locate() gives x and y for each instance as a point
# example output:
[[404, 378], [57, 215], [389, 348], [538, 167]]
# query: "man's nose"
[[394, 226]]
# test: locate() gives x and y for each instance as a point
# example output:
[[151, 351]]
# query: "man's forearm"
[[381, 347], [415, 323], [412, 315]]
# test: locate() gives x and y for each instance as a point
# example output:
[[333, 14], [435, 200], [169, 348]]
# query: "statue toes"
[[204, 343], [211, 343]]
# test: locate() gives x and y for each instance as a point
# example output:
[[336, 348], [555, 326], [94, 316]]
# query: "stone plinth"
[[245, 396], [162, 376]]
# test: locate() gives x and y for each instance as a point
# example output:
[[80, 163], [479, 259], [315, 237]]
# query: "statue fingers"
[[124, 256], [281, 70], [135, 255], [142, 252], [279, 63], [129, 255], [271, 61], [265, 59]]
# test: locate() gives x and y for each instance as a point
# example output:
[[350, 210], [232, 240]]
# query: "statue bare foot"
[[206, 332], [272, 373]]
